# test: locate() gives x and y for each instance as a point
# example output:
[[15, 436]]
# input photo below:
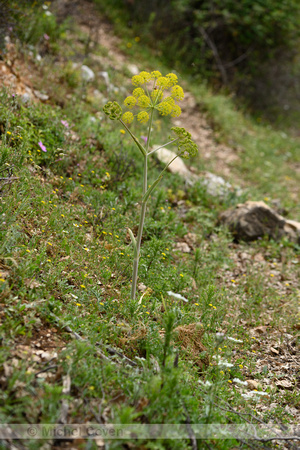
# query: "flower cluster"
[[186, 146], [152, 91], [113, 110]]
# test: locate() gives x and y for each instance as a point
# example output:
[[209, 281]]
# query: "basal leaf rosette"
[[187, 148]]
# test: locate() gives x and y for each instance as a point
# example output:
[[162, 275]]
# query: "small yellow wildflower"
[[172, 79], [78, 304], [102, 304], [49, 243], [130, 101], [137, 80], [83, 286], [91, 388], [143, 117], [157, 95], [122, 132], [129, 44], [164, 108], [197, 304], [144, 101], [138, 92], [155, 74], [176, 111], [137, 39], [146, 76], [127, 117], [181, 274], [162, 82], [177, 92], [62, 215]]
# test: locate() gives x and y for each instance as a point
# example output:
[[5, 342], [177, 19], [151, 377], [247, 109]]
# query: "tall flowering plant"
[[152, 93]]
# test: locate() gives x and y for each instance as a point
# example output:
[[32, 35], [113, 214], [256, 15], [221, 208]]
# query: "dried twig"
[[46, 370]]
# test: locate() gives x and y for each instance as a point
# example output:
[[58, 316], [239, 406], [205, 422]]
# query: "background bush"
[[247, 45]]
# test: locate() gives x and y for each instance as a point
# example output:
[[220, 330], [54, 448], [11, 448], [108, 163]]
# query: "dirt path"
[[218, 157]]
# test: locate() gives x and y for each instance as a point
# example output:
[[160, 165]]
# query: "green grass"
[[66, 262]]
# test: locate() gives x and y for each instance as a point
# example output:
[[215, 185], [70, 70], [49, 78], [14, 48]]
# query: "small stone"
[[41, 96], [252, 220], [177, 166], [183, 247], [284, 384], [252, 384], [142, 287], [25, 98], [87, 74], [133, 69], [273, 350]]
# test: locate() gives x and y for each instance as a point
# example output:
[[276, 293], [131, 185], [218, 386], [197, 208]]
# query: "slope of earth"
[[75, 349]]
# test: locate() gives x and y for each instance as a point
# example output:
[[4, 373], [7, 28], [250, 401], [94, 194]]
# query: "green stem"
[[139, 145], [162, 146], [139, 235], [142, 216]]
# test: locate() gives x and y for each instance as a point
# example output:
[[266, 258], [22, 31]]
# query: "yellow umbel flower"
[[177, 92], [138, 92], [137, 80], [144, 101], [170, 100], [164, 108], [155, 74], [157, 95], [173, 79], [162, 82], [146, 76], [127, 117], [176, 111], [130, 101], [143, 117]]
